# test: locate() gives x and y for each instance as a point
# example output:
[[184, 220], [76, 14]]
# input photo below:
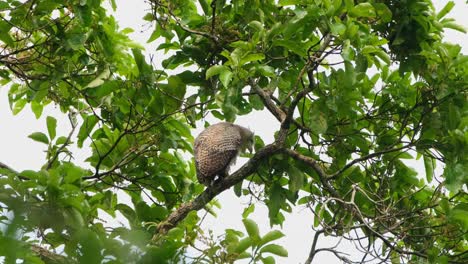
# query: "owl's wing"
[[215, 149]]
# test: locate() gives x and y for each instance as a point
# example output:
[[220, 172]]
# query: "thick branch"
[[50, 257], [218, 187]]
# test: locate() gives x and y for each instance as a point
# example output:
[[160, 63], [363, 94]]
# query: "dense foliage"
[[358, 88]]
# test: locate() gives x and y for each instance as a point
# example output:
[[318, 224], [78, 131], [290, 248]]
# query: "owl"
[[216, 149]]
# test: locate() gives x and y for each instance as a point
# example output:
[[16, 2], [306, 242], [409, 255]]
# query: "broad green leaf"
[[405, 155], [251, 57], [256, 25], [383, 12], [268, 260], [429, 163], [296, 179], [363, 10], [74, 217], [252, 228], [51, 126], [37, 108], [248, 210], [5, 36], [289, 2], [215, 70], [349, 4], [30, 174], [238, 189], [140, 61], [319, 122], [61, 140], [265, 70], [226, 77], [76, 40], [86, 128], [243, 245], [459, 214], [274, 249], [72, 172], [270, 236], [454, 26], [455, 176], [39, 137], [205, 6], [292, 46], [19, 105], [100, 79]]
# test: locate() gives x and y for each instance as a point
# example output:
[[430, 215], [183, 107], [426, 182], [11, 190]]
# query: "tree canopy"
[[360, 91]]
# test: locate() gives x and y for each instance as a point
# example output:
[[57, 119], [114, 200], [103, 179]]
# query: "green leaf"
[[100, 79], [318, 121], [429, 165], [76, 40], [74, 217], [270, 236], [86, 128], [215, 70], [37, 108], [454, 26], [175, 91], [30, 174], [243, 245], [248, 211], [251, 57], [5, 36], [293, 46], [445, 10], [274, 249], [455, 175], [383, 12], [268, 260], [61, 140], [19, 105], [460, 214], [51, 126], [349, 4], [252, 229], [363, 10], [140, 61], [226, 77], [238, 189], [296, 179], [205, 6], [289, 2], [39, 137]]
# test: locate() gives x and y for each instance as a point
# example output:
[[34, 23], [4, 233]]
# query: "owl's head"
[[247, 139]]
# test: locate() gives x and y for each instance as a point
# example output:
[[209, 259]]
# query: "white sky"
[[20, 152]]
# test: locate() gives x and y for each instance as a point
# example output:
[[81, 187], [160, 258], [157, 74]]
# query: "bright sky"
[[20, 152]]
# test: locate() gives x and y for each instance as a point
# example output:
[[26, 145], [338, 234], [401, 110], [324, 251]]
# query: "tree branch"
[[324, 178], [268, 101], [50, 257], [218, 187], [314, 244]]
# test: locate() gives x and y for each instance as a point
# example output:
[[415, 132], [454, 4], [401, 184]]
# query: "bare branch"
[[50, 257]]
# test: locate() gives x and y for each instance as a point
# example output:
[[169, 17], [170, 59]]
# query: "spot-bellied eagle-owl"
[[217, 147]]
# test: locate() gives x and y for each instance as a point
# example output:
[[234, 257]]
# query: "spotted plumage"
[[216, 149]]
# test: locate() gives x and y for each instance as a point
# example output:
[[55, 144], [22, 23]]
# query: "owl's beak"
[[250, 148]]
